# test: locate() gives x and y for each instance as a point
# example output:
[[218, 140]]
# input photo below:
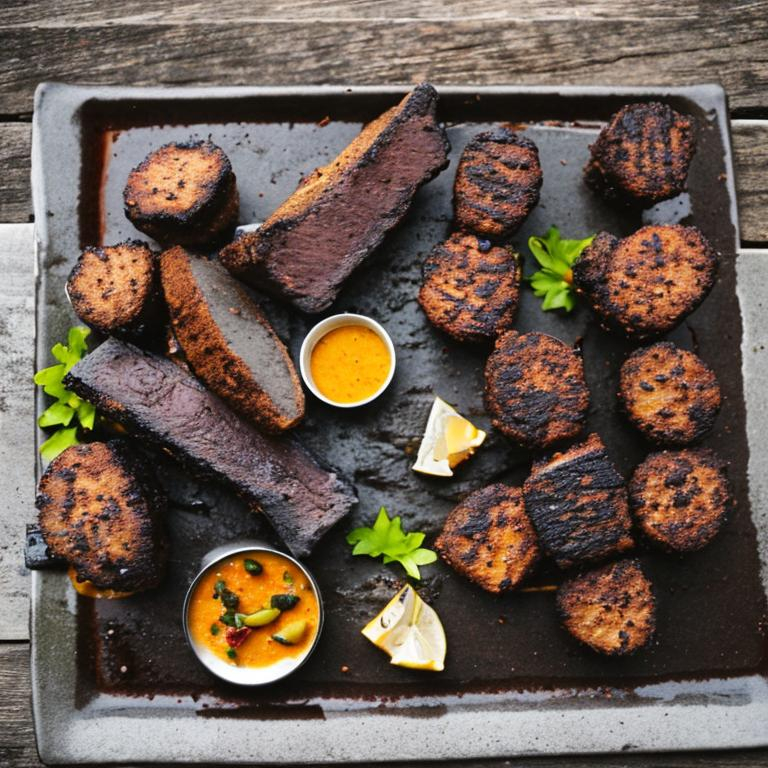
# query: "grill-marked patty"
[[183, 193], [535, 389], [611, 609], [497, 183], [643, 155], [670, 394], [470, 289], [578, 504], [648, 282], [489, 539], [100, 510], [680, 498]]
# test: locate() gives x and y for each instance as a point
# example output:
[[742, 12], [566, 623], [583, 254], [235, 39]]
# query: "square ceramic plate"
[[114, 681]]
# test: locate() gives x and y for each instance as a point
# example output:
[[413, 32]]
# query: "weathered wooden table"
[[230, 42]]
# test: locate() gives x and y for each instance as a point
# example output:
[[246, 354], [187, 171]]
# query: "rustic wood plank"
[[553, 48], [17, 738], [15, 197], [750, 143], [17, 452]]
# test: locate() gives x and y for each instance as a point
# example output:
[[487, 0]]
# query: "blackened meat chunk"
[[578, 505]]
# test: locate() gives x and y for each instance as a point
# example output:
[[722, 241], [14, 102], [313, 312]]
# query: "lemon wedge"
[[410, 632], [448, 440]]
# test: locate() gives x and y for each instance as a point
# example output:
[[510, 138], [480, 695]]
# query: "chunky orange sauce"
[[255, 592], [350, 363]]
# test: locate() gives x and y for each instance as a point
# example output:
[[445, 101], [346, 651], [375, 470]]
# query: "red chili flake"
[[236, 637]]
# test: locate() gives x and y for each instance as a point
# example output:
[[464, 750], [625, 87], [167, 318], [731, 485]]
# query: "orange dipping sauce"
[[350, 364], [279, 576]]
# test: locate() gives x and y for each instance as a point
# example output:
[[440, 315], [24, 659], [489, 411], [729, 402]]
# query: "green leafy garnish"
[[69, 412], [231, 653], [253, 567], [214, 629], [386, 538], [554, 281]]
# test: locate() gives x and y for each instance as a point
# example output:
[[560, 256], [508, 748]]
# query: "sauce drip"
[[350, 363]]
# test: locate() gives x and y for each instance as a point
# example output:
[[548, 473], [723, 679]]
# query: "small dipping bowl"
[[226, 669], [326, 326]]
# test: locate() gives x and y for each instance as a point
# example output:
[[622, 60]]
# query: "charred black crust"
[[578, 504]]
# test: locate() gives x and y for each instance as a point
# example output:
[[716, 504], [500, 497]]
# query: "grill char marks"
[[101, 512], [115, 289], [578, 505], [489, 539], [497, 183], [183, 193], [341, 213], [611, 609], [159, 400], [680, 498], [669, 394], [229, 343], [643, 155], [648, 282], [470, 289], [535, 389]]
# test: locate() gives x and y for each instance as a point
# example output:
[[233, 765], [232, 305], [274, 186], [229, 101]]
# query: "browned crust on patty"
[[497, 183], [471, 288], [611, 609], [643, 155], [341, 213], [218, 359], [670, 394], [680, 498], [578, 504], [648, 282], [100, 511], [489, 539], [535, 389], [115, 289], [183, 193]]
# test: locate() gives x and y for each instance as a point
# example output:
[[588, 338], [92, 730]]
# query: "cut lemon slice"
[[410, 632], [448, 440]]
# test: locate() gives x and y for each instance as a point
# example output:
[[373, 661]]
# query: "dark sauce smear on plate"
[[711, 605]]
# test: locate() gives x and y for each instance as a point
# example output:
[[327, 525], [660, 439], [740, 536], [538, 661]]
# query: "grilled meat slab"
[[611, 609], [159, 400], [183, 193], [648, 282], [340, 214], [643, 155], [470, 289], [489, 539], [535, 389], [497, 183], [228, 341], [115, 289], [101, 511], [578, 505], [680, 498], [671, 395]]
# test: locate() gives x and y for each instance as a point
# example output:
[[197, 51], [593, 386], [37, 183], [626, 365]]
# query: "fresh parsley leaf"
[[68, 412], [554, 281], [387, 539]]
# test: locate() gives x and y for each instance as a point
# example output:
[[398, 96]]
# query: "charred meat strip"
[[183, 193], [671, 395], [497, 183], [578, 505], [101, 512], [611, 609], [648, 282], [643, 155], [156, 398], [489, 539], [228, 341], [115, 289], [471, 288], [680, 498], [535, 389], [311, 244]]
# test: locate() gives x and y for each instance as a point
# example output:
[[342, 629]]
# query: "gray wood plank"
[[15, 196]]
